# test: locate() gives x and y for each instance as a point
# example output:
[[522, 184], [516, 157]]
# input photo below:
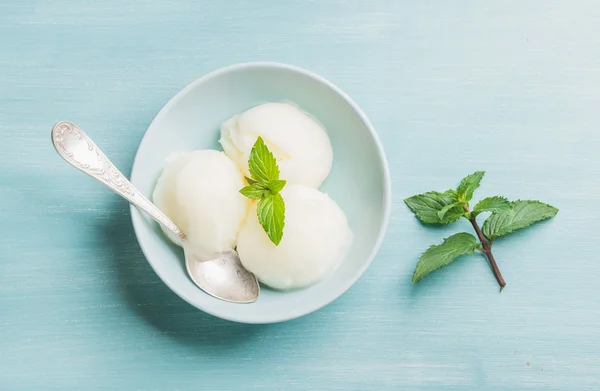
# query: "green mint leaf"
[[450, 193], [265, 186], [522, 214], [276, 185], [438, 256], [451, 211], [491, 204], [427, 206], [262, 164], [255, 191], [271, 215], [468, 185]]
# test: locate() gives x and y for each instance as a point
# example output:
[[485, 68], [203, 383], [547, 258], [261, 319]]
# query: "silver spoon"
[[223, 277]]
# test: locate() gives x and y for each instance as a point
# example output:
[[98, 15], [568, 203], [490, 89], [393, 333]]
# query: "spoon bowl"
[[223, 277]]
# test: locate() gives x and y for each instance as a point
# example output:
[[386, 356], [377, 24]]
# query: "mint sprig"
[[448, 207], [265, 187]]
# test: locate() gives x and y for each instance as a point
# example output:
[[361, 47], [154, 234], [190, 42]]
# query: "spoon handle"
[[81, 152]]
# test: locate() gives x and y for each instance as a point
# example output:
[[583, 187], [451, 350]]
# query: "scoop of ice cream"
[[315, 239], [199, 191], [298, 142]]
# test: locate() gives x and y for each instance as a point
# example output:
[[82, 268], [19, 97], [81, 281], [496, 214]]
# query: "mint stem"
[[488, 252], [487, 249]]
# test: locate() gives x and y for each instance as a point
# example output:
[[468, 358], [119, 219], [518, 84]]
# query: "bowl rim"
[[137, 219]]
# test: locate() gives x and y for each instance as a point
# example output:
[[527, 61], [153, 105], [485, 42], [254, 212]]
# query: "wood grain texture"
[[509, 87]]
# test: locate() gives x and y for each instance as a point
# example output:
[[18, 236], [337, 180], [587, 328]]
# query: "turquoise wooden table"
[[451, 87]]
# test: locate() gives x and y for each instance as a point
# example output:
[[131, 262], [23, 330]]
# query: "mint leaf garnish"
[[262, 164], [521, 214], [271, 215], [427, 207], [275, 186], [464, 191], [255, 191], [438, 256], [265, 186], [449, 206], [491, 204]]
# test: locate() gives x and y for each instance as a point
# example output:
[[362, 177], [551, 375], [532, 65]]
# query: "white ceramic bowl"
[[359, 180]]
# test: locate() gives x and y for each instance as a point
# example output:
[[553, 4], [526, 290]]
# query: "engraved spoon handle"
[[81, 152]]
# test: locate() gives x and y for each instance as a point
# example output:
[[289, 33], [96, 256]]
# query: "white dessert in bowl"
[[359, 181], [199, 191], [315, 239], [299, 143]]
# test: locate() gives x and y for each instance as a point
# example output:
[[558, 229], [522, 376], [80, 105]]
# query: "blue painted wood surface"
[[510, 87]]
